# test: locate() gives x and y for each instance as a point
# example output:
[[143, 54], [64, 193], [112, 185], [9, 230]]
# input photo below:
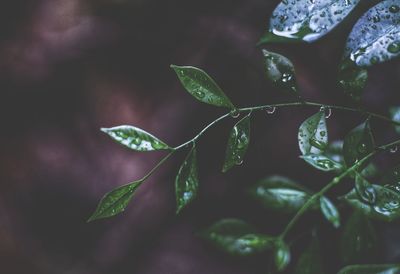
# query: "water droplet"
[[322, 133], [200, 94], [394, 47], [270, 109], [235, 113], [394, 149], [376, 19], [329, 114], [394, 9], [362, 148]]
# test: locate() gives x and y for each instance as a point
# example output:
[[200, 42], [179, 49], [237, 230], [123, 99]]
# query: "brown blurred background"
[[69, 67]]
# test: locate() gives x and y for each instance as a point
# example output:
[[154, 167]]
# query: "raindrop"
[[394, 47], [394, 9], [235, 113], [394, 149], [200, 94], [270, 109], [329, 114], [362, 148]]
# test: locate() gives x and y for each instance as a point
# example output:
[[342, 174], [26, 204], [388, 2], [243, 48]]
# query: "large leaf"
[[395, 115], [310, 261], [375, 38], [330, 211], [282, 255], [322, 162], [115, 201], [201, 86], [237, 237], [280, 70], [280, 194], [186, 182], [135, 138], [358, 144], [358, 241], [306, 20], [313, 134], [238, 143], [370, 269]]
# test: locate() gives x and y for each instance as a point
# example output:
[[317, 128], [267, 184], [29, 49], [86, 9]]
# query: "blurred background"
[[69, 67]]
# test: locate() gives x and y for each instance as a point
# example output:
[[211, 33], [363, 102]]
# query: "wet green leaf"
[[375, 38], [201, 86], [237, 237], [238, 143], [305, 20], [135, 138], [115, 201], [322, 162], [186, 182], [330, 211], [280, 70], [282, 256], [353, 80], [365, 190], [358, 144], [313, 134], [371, 269], [371, 170], [395, 116], [358, 241], [280, 194], [310, 261], [334, 152], [391, 179]]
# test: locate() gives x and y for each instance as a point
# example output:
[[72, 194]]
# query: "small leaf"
[[280, 194], [237, 237], [330, 211], [282, 256], [186, 182], [371, 170], [135, 138], [375, 38], [353, 80], [313, 134], [358, 144], [115, 201], [238, 143], [334, 152], [371, 269], [358, 241], [365, 190], [201, 86], [391, 179], [322, 162], [280, 70], [310, 261], [395, 116], [306, 20]]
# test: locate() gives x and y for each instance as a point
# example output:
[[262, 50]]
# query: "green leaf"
[[371, 170], [135, 138], [115, 201], [322, 162], [305, 20], [358, 144], [310, 261], [358, 241], [391, 179], [280, 70], [201, 86], [187, 182], [280, 194], [330, 211], [282, 255], [353, 80], [238, 143], [395, 116], [334, 152], [365, 190], [313, 134], [371, 269], [237, 237], [386, 206], [375, 38]]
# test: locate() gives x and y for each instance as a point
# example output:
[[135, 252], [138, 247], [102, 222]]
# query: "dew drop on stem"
[[394, 149], [270, 109], [235, 113]]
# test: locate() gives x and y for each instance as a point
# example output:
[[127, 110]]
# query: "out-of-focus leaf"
[[353, 80], [310, 261], [365, 190], [391, 179], [370, 269], [395, 116], [238, 143], [135, 138], [322, 162], [334, 151], [330, 211], [313, 134], [237, 237], [282, 255], [201, 86]]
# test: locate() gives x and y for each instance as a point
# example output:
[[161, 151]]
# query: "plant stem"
[[331, 184]]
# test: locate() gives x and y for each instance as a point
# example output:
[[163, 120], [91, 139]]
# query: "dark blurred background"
[[69, 67]]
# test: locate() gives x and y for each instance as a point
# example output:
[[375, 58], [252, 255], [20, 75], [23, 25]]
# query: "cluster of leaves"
[[374, 39]]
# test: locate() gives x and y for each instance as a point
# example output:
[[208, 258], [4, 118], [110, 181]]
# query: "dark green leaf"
[[135, 138], [115, 201], [375, 38], [313, 134], [280, 71], [201, 86], [238, 143], [186, 182], [371, 170], [370, 269], [237, 237], [282, 255], [322, 162], [365, 190], [358, 144], [334, 152], [310, 261], [358, 241], [280, 193], [353, 80], [391, 179], [306, 20], [395, 115], [330, 211]]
